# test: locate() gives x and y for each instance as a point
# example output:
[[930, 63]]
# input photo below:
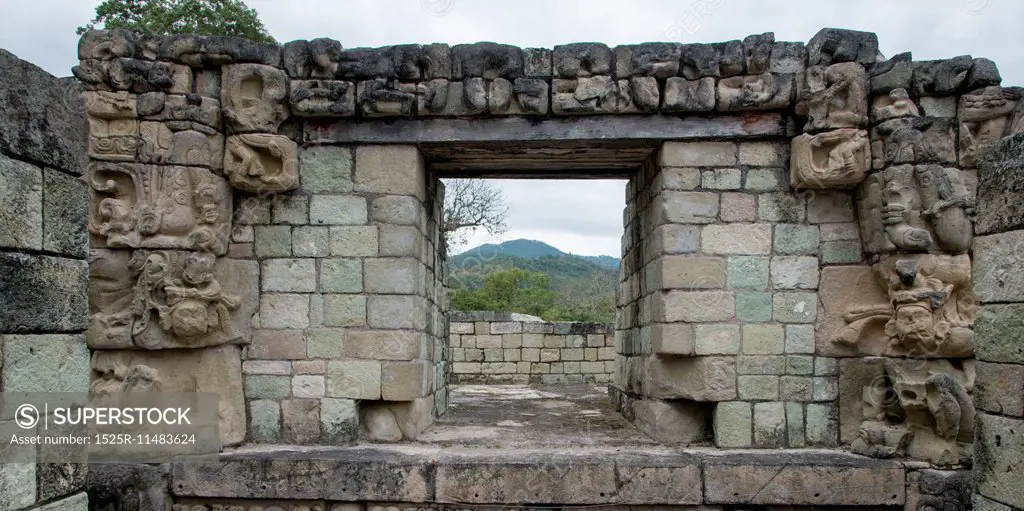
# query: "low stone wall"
[[501, 347], [43, 270]]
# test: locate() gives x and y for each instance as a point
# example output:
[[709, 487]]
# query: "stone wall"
[[43, 267], [504, 348], [999, 389]]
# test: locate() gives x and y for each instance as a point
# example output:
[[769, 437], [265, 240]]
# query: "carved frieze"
[[834, 159], [638, 94], [913, 140], [986, 115], [113, 125], [164, 299], [107, 44], [318, 58], [134, 75], [834, 97], [261, 163], [216, 370], [149, 206], [591, 95], [765, 91], [322, 98], [915, 208], [895, 104], [682, 95], [939, 490], [158, 143], [524, 96], [253, 97], [386, 98]]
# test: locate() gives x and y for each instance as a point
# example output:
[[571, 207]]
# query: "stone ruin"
[[799, 271]]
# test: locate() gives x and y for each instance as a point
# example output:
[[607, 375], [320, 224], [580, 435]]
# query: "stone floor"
[[532, 416]]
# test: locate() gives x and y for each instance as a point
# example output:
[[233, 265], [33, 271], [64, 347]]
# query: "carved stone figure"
[[834, 159], [169, 299], [921, 409], [253, 97], [262, 163], [322, 98], [113, 126], [765, 91], [433, 96], [148, 206], [834, 97], [941, 77], [216, 370], [682, 95], [913, 140], [159, 143], [895, 104], [318, 58], [638, 94], [107, 44], [985, 117], [525, 96], [939, 490], [915, 208], [384, 98], [183, 111], [592, 95]]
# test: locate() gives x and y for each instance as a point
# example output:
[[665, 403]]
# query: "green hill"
[[585, 286]]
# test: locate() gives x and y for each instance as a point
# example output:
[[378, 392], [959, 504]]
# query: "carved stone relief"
[[939, 490], [917, 408], [262, 163], [915, 208], [216, 370], [386, 98], [148, 206], [757, 92], [834, 97], [592, 95], [638, 94], [113, 127], [834, 159], [169, 299], [253, 97], [318, 58], [895, 104], [524, 96], [159, 143], [322, 98], [194, 504], [682, 95], [913, 140], [986, 115]]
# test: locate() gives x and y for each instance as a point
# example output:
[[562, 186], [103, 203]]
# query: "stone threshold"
[[648, 475]]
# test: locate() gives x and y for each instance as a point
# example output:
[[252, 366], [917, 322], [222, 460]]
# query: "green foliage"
[[577, 289], [162, 17]]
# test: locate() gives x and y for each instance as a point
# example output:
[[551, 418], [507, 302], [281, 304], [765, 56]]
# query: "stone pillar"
[[43, 269], [350, 327], [999, 284]]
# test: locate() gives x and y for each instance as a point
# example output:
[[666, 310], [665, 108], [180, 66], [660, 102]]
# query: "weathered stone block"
[[763, 339], [354, 379], [765, 180], [799, 339], [717, 339], [686, 207], [673, 339], [384, 344], [696, 379], [681, 272], [833, 45], [997, 259], [277, 345], [326, 169], [794, 272], [998, 449], [337, 210], [770, 424], [300, 420], [308, 386], [404, 381], [698, 154], [753, 307], [345, 310], [65, 213], [676, 239], [758, 387], [397, 170], [308, 241], [273, 241], [354, 241], [339, 275], [682, 95], [392, 276], [790, 307], [721, 179], [694, 306], [998, 329], [999, 186], [781, 207], [738, 207], [822, 424], [284, 311], [42, 293], [733, 424], [671, 422], [45, 363], [265, 420], [748, 272], [737, 239], [288, 275]]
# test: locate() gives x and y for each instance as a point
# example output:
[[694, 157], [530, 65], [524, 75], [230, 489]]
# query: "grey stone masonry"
[[505, 348], [44, 306]]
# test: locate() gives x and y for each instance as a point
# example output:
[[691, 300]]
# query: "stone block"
[[326, 169], [753, 307], [384, 344], [265, 421], [682, 95], [339, 275], [290, 209], [397, 311], [761, 364], [677, 178], [273, 241], [795, 425], [672, 422], [277, 345], [345, 310], [834, 45], [694, 306], [676, 239], [822, 425], [260, 386], [284, 311], [841, 252], [980, 503], [792, 239], [763, 339], [45, 363], [18, 484], [721, 179], [737, 239], [390, 169], [839, 232], [77, 502], [696, 379], [799, 339], [685, 207], [338, 210], [999, 184], [65, 214], [999, 388], [308, 386], [396, 209], [998, 329], [763, 154], [765, 180], [748, 273], [404, 381], [758, 387], [354, 241], [698, 154], [392, 276], [830, 207], [300, 420], [844, 288], [795, 388], [927, 488], [42, 293], [770, 425], [354, 379], [738, 207], [781, 207], [733, 424], [275, 367], [339, 420], [793, 307], [997, 260], [717, 339], [794, 272], [682, 272], [998, 449], [308, 241], [800, 365], [288, 275], [673, 339], [400, 240]]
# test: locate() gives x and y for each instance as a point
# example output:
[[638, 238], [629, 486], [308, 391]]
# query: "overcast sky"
[[578, 216]]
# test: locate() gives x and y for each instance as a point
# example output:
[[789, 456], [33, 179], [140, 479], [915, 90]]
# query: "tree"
[[163, 17], [511, 290], [471, 204]]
